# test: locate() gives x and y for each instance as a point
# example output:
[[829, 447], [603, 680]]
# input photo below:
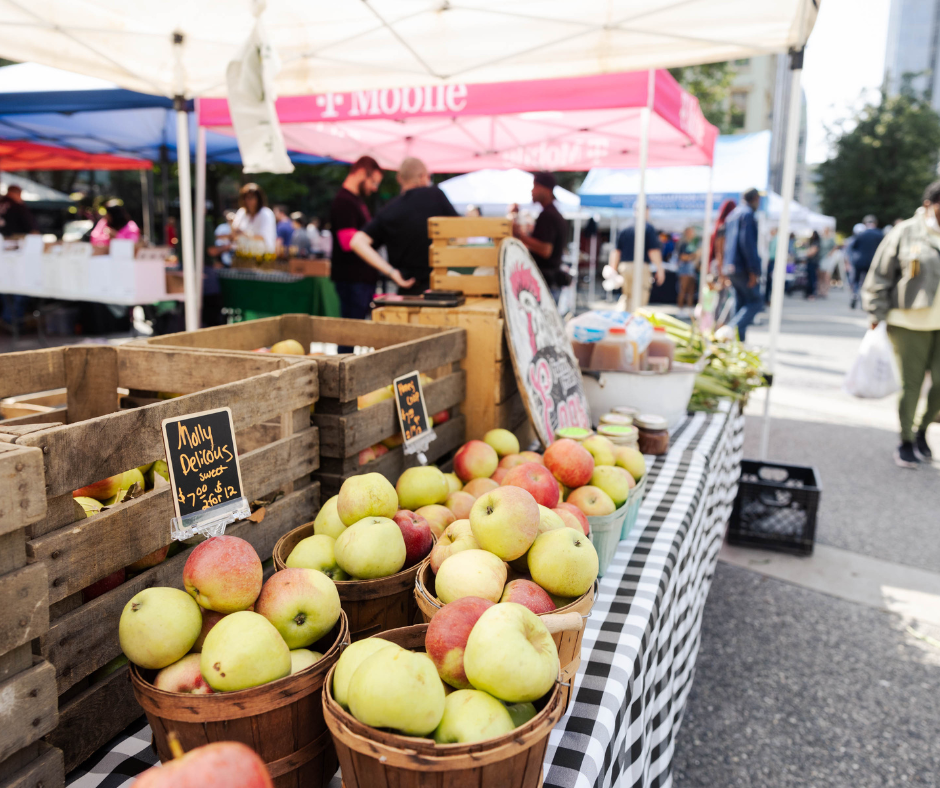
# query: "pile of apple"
[[496, 659], [228, 630]]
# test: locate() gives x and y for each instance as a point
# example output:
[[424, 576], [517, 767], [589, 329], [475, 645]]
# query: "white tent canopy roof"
[[363, 44], [492, 191]]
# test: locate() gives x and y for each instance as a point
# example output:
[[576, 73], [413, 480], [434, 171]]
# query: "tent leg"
[[145, 206], [164, 189], [706, 234], [186, 216], [783, 233], [200, 211], [575, 269], [592, 257], [639, 234], [613, 245], [592, 278]]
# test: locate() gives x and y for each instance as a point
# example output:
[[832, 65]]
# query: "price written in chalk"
[[412, 413], [203, 460]]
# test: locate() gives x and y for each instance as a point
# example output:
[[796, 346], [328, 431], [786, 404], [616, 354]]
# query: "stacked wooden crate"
[[92, 439], [383, 353], [466, 243], [27, 681]]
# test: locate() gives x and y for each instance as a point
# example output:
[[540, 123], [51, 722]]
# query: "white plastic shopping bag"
[[874, 373]]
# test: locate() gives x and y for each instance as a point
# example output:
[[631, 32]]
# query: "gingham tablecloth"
[[641, 641]]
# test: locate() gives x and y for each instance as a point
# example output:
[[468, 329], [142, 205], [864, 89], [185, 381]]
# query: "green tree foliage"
[[882, 163], [711, 85]]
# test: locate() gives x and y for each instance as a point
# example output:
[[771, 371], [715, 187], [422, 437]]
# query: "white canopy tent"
[[493, 191]]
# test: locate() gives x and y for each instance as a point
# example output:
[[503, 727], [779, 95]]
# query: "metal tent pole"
[[576, 268], [706, 233], [200, 212], [190, 296], [145, 206], [783, 233], [639, 234]]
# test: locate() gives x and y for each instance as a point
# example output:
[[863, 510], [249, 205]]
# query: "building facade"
[[912, 54]]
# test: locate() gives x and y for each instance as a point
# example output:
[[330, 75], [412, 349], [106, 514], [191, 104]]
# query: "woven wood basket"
[[568, 641], [372, 758], [282, 720], [372, 606]]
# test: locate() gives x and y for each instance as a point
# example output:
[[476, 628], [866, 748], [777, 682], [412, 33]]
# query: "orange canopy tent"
[[15, 155]]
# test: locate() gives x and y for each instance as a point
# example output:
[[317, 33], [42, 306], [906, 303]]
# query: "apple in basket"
[[532, 456], [510, 654], [460, 503], [244, 650], [510, 461], [223, 574], [317, 552], [327, 522], [548, 521], [227, 763], [527, 594], [569, 462], [101, 490], [471, 715], [632, 460], [453, 482], [303, 605], [303, 658], [563, 562], [350, 660], [372, 547], [366, 495], [159, 626], [456, 538], [417, 535], [447, 635], [601, 449], [471, 573], [614, 481], [573, 517], [183, 676], [503, 441], [421, 486], [437, 516], [505, 521], [478, 487], [592, 501], [536, 479], [475, 460]]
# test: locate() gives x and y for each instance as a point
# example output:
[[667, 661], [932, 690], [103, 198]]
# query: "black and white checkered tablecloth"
[[641, 642]]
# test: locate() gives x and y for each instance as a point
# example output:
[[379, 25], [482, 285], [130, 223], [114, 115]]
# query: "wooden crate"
[[450, 249], [270, 398], [493, 398], [27, 682], [388, 351]]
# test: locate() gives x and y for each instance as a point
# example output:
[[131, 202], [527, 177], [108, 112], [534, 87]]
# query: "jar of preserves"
[[653, 434], [620, 434], [574, 433], [616, 418], [626, 410]]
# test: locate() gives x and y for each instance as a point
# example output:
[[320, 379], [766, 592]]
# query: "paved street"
[[825, 671]]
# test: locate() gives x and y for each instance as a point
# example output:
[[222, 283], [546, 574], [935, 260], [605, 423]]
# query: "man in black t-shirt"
[[549, 236], [621, 260], [402, 227]]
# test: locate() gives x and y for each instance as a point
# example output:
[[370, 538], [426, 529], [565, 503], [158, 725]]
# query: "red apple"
[[104, 585], [511, 461], [573, 517], [226, 764], [209, 619], [532, 456], [183, 676], [416, 533], [478, 487], [367, 455], [223, 574], [441, 416], [438, 517], [100, 490], [150, 560], [447, 636], [499, 474], [475, 460], [528, 594], [460, 503], [570, 462], [457, 537], [535, 479], [379, 449]]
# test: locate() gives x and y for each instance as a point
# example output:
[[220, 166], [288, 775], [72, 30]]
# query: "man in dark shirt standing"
[[15, 218], [741, 255], [402, 227], [549, 236], [861, 250], [621, 260]]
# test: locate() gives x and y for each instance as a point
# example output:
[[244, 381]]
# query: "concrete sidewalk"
[[825, 671]]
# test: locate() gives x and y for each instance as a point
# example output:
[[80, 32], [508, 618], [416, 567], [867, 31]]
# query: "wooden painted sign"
[[412, 413], [202, 460], [547, 371]]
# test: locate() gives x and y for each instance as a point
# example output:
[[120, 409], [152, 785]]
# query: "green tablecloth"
[[312, 295]]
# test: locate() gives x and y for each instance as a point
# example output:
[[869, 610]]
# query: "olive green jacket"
[[905, 272]]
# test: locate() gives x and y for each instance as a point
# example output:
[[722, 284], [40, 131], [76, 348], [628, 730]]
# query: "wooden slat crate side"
[[53, 398], [29, 699], [22, 487], [44, 768], [24, 614], [29, 371], [446, 256], [16, 661], [248, 335], [51, 416], [466, 284], [134, 437], [346, 436], [83, 552], [86, 639], [511, 412], [91, 381], [468, 227], [506, 384]]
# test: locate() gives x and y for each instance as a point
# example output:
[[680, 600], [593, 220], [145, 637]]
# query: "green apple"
[[327, 522], [158, 626], [548, 521], [289, 347], [397, 689], [453, 482], [521, 713], [243, 650], [563, 562], [302, 658], [159, 468], [601, 449], [472, 715], [350, 660], [503, 441], [421, 486], [89, 505], [505, 521], [456, 538], [510, 653], [317, 552], [132, 477], [303, 605], [632, 460], [614, 481], [371, 547], [366, 495], [471, 573]]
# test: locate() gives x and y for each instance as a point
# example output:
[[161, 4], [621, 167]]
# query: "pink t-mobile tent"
[[553, 124]]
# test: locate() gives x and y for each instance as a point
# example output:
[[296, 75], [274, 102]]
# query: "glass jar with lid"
[[620, 434], [574, 433], [616, 418], [653, 433], [626, 410]]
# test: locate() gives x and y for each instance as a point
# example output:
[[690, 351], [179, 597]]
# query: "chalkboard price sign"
[[412, 413], [202, 460]]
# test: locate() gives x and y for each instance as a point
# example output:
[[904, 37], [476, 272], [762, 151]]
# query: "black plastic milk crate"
[[776, 507]]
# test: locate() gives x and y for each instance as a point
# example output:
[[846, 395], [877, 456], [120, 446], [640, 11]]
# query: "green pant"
[[918, 352]]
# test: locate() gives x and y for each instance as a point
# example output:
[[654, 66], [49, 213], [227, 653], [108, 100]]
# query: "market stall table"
[[259, 293], [641, 641]]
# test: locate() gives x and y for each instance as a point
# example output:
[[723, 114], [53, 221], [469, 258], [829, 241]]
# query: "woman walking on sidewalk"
[[903, 288]]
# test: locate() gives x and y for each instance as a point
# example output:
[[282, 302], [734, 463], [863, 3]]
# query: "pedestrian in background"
[[549, 236], [812, 266], [285, 229], [861, 250], [689, 254], [254, 221], [741, 255], [903, 288], [621, 260]]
